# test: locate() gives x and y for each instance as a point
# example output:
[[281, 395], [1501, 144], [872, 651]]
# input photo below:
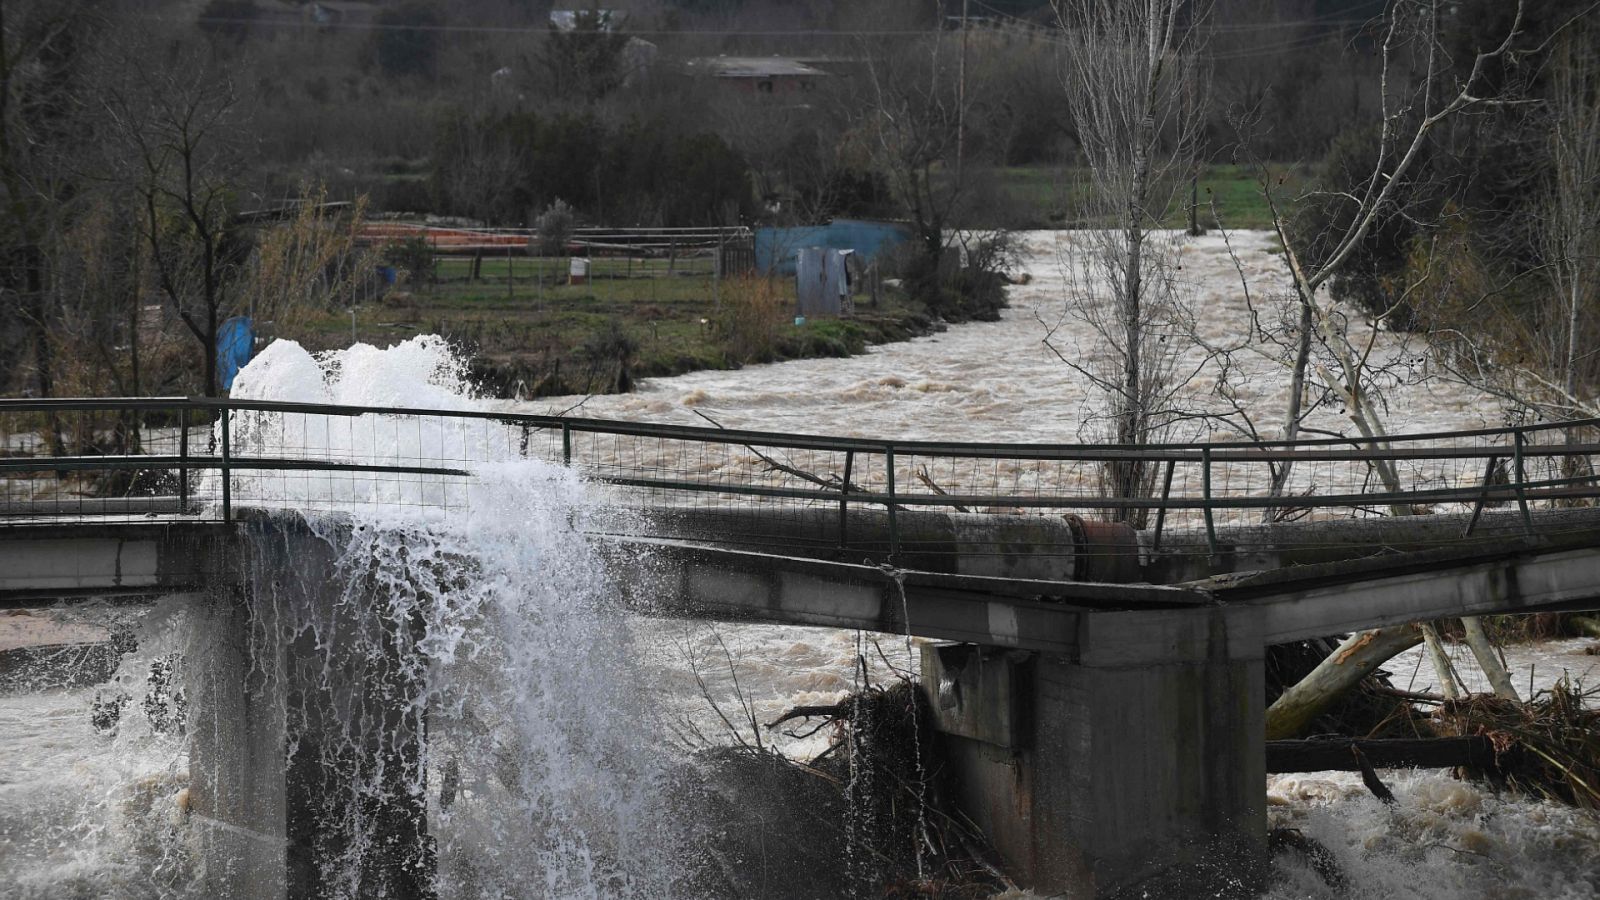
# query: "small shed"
[[776, 248], [760, 74], [823, 282]]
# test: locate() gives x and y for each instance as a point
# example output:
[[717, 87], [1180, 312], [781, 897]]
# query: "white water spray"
[[473, 610]]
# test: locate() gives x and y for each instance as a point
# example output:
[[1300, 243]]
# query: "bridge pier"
[[304, 762], [1136, 765]]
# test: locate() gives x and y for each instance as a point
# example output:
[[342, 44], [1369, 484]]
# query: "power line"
[[304, 24], [528, 29]]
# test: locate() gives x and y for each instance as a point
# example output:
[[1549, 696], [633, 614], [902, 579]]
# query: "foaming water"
[[473, 611], [997, 382], [514, 654], [1442, 840], [551, 712], [93, 806]]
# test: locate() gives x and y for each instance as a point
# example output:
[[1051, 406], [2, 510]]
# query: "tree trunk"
[[1488, 661], [1442, 668], [43, 350], [1194, 205], [1427, 753], [1359, 656], [1291, 421], [213, 389]]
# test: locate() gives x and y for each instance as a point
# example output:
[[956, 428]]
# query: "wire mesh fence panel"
[[130, 460]]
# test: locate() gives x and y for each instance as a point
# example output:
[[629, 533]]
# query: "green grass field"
[[1046, 197]]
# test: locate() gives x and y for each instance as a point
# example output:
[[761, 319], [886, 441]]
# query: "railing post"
[[1205, 489], [844, 499], [183, 459], [566, 444], [1477, 508], [894, 529], [1161, 512], [1517, 439], [227, 464]]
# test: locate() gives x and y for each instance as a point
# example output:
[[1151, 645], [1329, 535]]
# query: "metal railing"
[[206, 459]]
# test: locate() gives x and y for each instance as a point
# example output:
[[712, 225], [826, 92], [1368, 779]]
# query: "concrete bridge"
[[1099, 687]]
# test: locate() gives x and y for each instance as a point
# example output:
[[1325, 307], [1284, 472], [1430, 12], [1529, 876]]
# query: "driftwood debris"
[[774, 465], [1449, 683], [1369, 777], [1483, 651], [1353, 660], [833, 711], [1548, 746], [925, 478], [1334, 754]]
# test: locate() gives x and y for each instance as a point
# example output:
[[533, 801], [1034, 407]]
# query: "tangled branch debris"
[[1548, 746], [904, 841]]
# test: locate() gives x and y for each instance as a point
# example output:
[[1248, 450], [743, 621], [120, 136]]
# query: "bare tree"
[[793, 150], [1128, 72], [911, 132], [175, 123], [478, 158], [1543, 359], [1325, 347], [1570, 227], [1407, 123], [40, 46]]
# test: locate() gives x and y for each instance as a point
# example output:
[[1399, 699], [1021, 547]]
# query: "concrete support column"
[[237, 761], [301, 733], [1136, 768]]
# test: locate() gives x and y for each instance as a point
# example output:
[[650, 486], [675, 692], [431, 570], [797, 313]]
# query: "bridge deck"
[[683, 578], [1006, 544]]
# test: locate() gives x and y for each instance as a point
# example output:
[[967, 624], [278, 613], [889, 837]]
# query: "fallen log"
[[1339, 754], [1359, 656], [1478, 642]]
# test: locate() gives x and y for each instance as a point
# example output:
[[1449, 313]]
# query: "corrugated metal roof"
[[756, 67], [603, 19]]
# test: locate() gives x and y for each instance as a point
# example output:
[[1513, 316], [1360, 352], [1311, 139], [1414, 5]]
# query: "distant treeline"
[[136, 137]]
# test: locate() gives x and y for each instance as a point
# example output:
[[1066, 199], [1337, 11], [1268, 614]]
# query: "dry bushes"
[[307, 264], [753, 311]]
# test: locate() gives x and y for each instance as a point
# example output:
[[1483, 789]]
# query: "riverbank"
[[531, 335]]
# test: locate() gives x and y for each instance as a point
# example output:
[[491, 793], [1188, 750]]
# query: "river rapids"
[[562, 717]]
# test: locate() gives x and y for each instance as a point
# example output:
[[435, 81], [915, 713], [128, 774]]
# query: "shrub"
[[974, 291], [414, 257], [754, 310], [610, 353], [554, 228]]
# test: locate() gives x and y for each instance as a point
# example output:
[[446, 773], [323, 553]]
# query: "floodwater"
[[999, 382], [86, 812]]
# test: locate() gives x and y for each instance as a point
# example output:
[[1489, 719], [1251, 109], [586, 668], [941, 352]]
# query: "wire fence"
[[206, 460]]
